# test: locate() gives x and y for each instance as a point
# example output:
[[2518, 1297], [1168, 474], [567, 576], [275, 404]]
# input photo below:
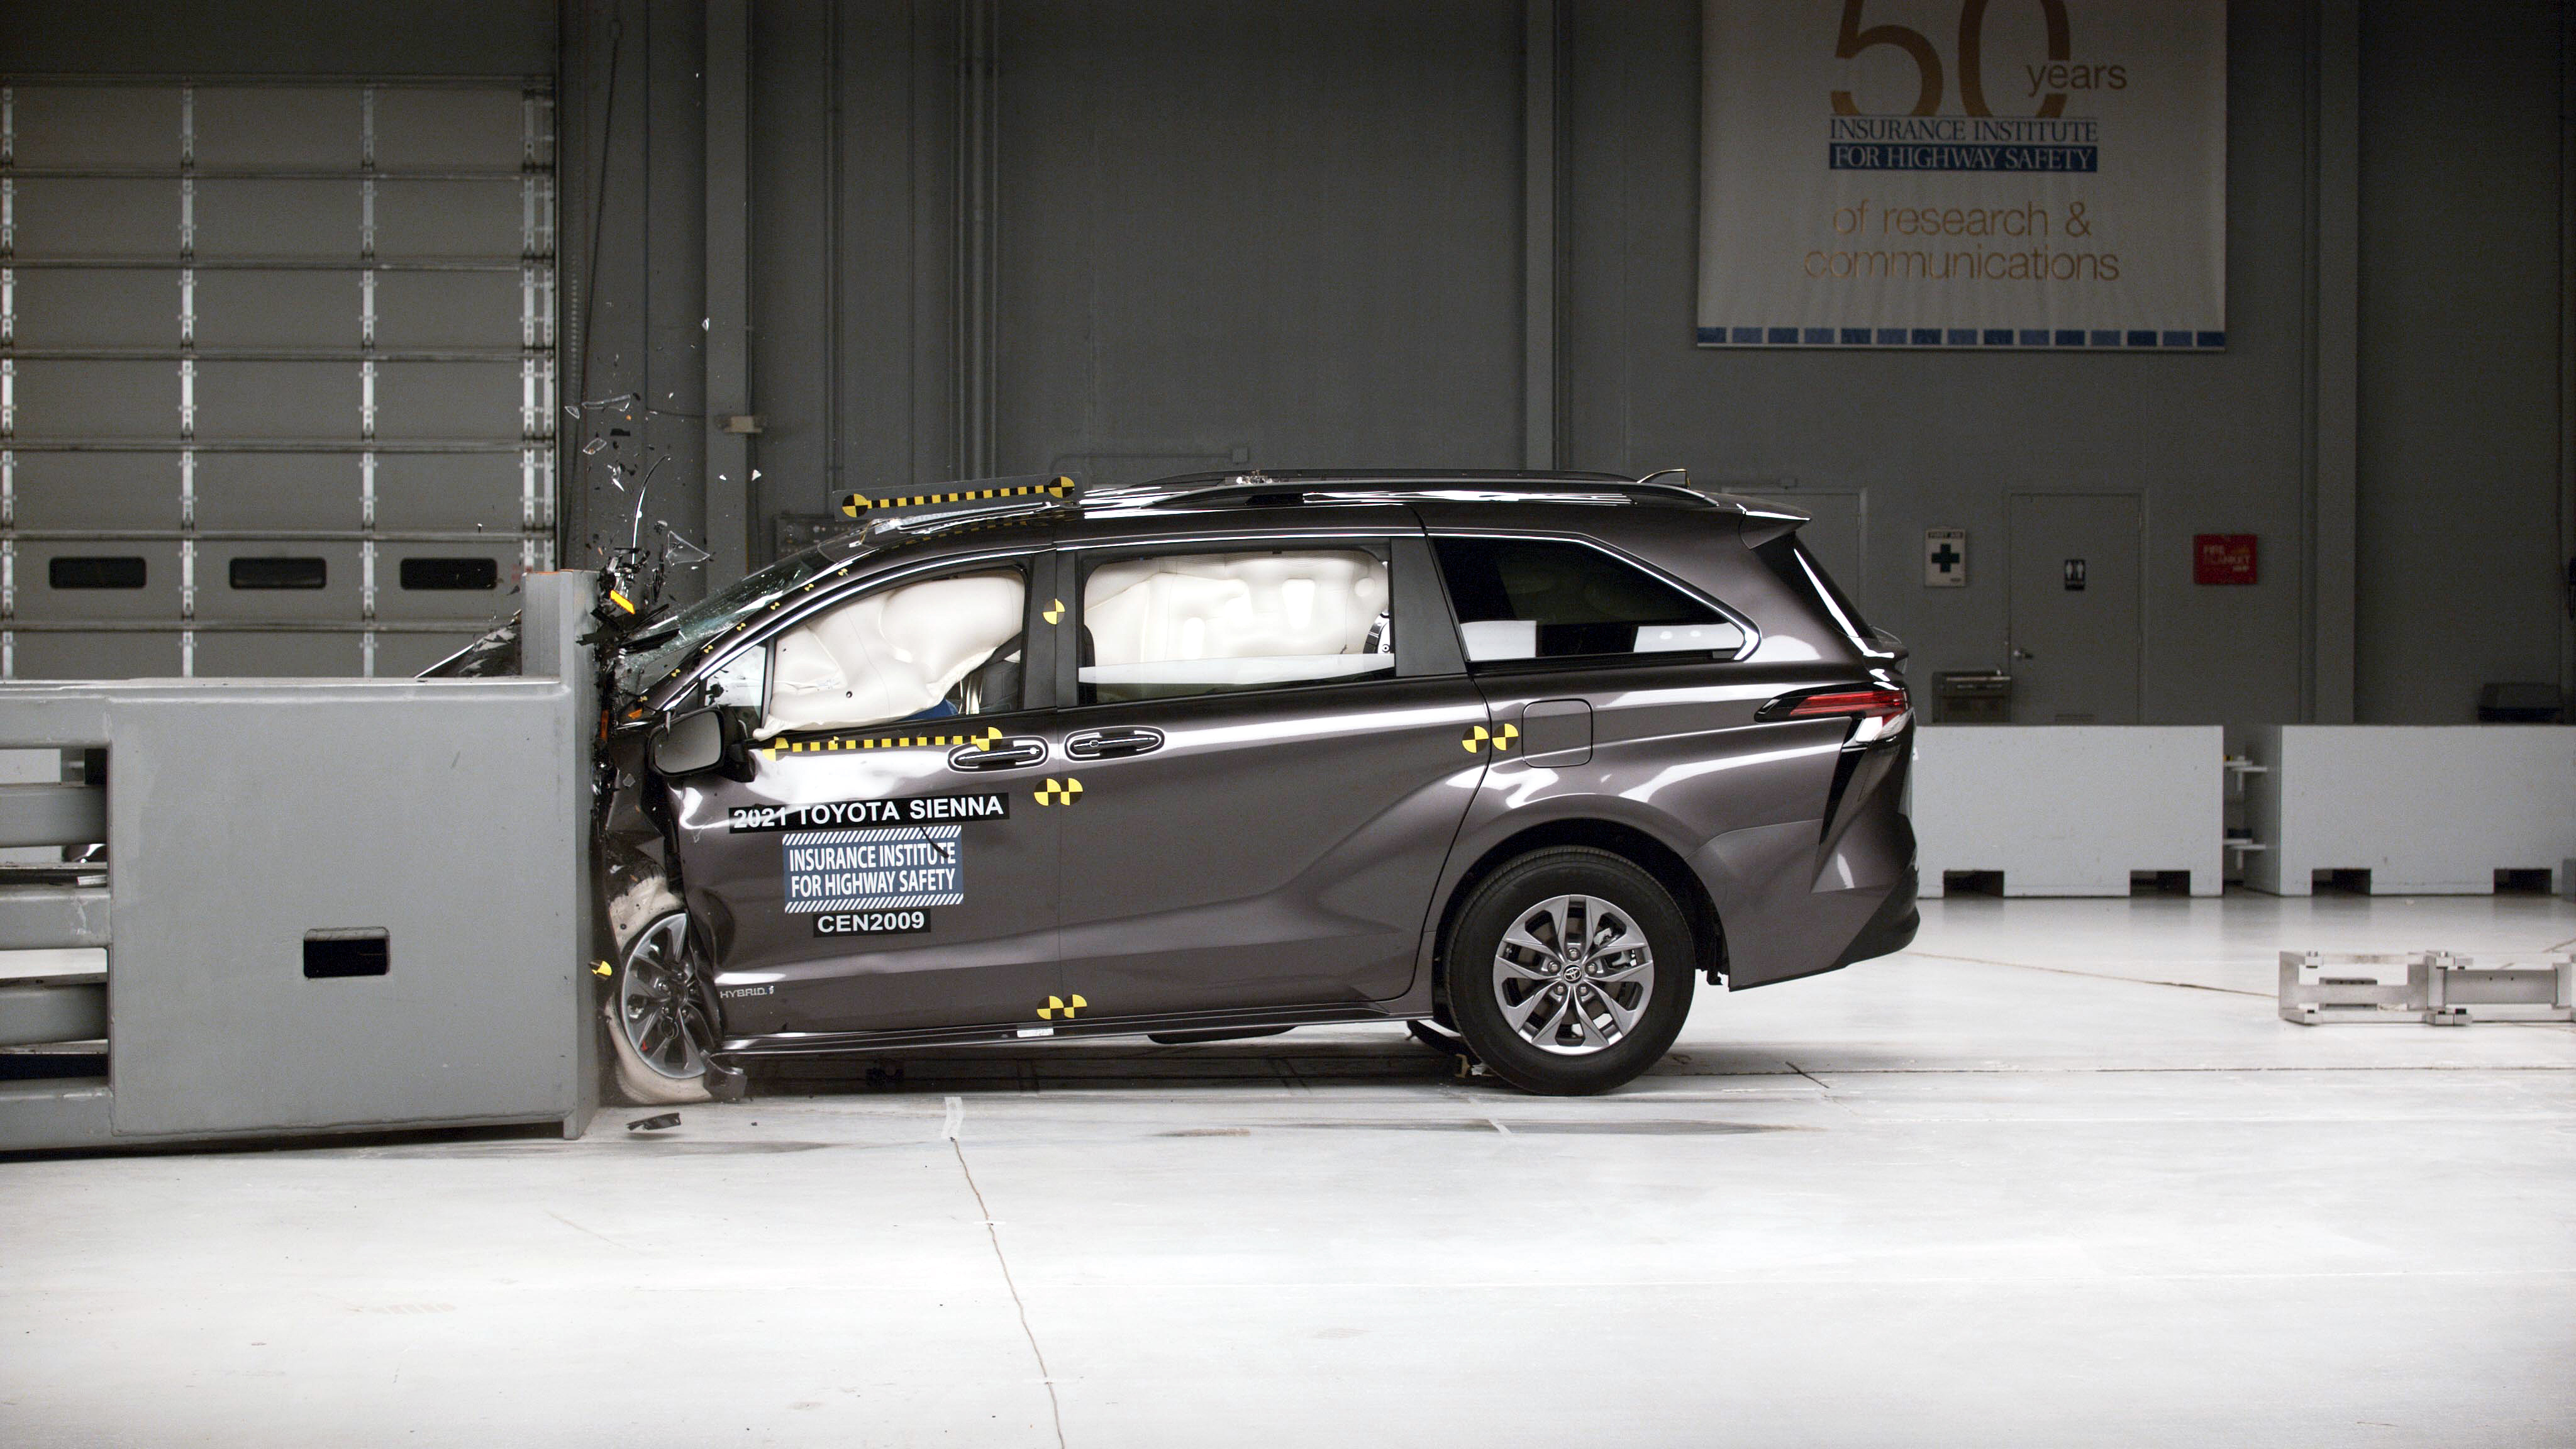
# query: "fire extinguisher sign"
[[2222, 558]]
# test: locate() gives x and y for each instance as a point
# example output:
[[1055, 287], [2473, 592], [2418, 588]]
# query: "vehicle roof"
[[1503, 487], [966, 513]]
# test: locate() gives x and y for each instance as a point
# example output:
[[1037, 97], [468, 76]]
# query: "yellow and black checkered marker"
[[1477, 737], [1053, 613], [991, 736], [1057, 1006], [1066, 793], [837, 744], [855, 504]]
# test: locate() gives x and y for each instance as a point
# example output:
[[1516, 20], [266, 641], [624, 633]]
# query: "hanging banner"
[[1960, 173]]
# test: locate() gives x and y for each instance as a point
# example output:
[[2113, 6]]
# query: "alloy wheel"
[[1573, 974], [659, 1004]]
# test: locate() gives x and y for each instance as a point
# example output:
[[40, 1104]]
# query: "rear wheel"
[[1569, 971], [661, 1016]]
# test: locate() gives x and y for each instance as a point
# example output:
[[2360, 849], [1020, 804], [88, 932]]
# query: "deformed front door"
[[2073, 607], [884, 866]]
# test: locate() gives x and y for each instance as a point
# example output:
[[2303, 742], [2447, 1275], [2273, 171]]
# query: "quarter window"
[[1177, 625], [1524, 599], [930, 650]]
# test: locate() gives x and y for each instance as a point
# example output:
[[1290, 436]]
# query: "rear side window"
[[1526, 598], [1176, 625]]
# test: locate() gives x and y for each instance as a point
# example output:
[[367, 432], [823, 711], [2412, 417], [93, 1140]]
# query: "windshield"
[[709, 617]]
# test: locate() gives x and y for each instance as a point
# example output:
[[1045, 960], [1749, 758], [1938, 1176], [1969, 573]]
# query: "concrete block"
[[2426, 810], [2070, 810]]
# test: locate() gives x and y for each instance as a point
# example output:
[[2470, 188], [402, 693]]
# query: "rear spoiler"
[[1763, 519]]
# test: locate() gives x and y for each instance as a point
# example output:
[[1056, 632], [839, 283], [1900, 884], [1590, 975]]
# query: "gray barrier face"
[[431, 835]]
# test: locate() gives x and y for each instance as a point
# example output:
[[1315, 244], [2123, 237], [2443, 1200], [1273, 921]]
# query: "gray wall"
[[2462, 422], [209, 38], [1291, 230], [2212, 442], [1292, 234], [633, 157]]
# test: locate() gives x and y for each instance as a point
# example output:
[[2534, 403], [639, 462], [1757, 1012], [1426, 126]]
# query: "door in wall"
[[2072, 614]]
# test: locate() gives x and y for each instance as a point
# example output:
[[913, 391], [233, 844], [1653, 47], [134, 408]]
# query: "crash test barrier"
[[2412, 810], [2439, 988], [2088, 810], [294, 906], [2070, 810]]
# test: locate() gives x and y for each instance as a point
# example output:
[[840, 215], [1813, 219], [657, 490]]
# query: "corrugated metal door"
[[277, 373]]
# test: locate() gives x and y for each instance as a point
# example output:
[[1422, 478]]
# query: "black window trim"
[[233, 572], [403, 571], [100, 566], [1377, 543], [1733, 615], [1838, 605]]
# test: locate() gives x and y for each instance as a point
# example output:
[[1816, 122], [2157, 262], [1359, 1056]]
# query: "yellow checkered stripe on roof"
[[852, 504]]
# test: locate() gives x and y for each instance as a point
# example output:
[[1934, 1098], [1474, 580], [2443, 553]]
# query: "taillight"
[[1881, 705]]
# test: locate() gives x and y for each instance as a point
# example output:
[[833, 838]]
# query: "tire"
[[660, 1016], [1507, 982]]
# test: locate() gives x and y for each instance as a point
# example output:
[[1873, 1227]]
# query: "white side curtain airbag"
[[892, 654], [1233, 606], [1240, 673]]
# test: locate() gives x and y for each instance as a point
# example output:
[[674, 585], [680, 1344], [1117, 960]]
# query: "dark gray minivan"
[[1520, 755]]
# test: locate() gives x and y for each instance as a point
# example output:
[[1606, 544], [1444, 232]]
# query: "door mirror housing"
[[691, 743]]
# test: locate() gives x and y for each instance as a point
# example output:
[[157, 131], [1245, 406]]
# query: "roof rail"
[[1253, 488], [1256, 488]]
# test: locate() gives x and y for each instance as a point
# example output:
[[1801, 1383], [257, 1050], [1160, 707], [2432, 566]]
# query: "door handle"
[[1011, 752], [1112, 743]]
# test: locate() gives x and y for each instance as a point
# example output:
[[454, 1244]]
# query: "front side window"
[[1537, 599], [1177, 625], [929, 650]]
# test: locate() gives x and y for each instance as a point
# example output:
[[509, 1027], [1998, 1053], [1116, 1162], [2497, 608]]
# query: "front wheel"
[[1569, 971], [661, 1021]]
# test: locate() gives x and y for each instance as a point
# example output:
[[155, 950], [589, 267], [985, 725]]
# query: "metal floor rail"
[[2437, 988]]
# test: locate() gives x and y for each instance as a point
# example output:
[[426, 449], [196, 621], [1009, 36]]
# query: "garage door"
[[277, 373]]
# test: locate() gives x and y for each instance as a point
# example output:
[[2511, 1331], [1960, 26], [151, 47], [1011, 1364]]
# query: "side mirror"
[[693, 742]]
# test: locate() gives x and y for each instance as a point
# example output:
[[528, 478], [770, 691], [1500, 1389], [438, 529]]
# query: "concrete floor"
[[2058, 1177]]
